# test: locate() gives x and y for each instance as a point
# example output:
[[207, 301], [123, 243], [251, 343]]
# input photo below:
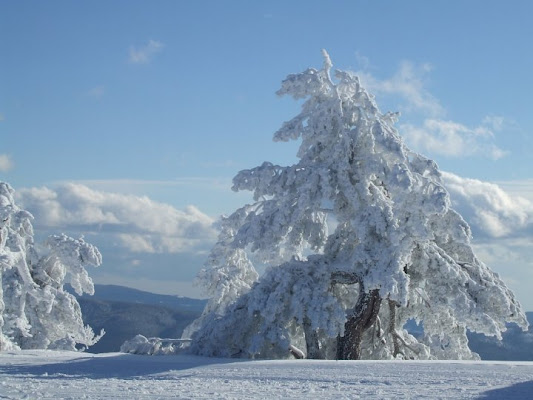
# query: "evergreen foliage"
[[35, 310], [358, 238]]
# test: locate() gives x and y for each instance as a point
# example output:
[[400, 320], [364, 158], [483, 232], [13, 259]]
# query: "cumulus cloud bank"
[[490, 211], [138, 223]]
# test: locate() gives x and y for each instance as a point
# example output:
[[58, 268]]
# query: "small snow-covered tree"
[[35, 310], [358, 237]]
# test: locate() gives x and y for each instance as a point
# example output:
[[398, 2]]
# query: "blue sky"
[[125, 121]]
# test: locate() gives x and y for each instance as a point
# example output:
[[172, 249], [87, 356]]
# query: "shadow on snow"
[[521, 390], [122, 366]]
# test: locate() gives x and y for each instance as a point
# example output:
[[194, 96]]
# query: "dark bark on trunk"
[[311, 341], [363, 317]]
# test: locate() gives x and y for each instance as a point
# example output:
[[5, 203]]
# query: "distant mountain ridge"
[[130, 295], [125, 312]]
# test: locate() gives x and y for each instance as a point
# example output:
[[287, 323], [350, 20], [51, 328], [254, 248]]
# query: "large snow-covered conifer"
[[358, 237], [35, 310]]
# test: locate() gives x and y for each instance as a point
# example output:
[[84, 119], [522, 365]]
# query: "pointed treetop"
[[327, 61], [357, 236]]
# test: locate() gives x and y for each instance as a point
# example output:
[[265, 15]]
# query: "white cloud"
[[435, 135], [138, 224], [452, 139], [144, 54], [495, 122], [502, 225], [490, 211], [5, 163], [137, 243], [408, 83], [522, 188]]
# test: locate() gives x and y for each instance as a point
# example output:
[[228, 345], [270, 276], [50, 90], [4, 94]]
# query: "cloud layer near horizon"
[[139, 224], [143, 239], [143, 225], [491, 211]]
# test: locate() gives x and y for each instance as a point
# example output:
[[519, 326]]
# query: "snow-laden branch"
[[35, 310], [358, 224]]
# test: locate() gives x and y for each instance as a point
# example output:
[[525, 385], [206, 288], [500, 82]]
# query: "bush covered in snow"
[[35, 310], [152, 346]]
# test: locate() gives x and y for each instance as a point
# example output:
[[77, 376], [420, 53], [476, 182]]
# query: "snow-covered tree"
[[357, 237], [35, 310]]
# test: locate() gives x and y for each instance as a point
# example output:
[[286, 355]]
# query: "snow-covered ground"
[[69, 375]]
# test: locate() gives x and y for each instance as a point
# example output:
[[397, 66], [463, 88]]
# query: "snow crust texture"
[[357, 238], [35, 310], [67, 375]]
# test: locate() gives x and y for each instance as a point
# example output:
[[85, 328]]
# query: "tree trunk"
[[311, 341], [363, 317]]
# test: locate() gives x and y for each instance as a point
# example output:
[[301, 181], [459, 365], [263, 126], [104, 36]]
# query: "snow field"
[[40, 374]]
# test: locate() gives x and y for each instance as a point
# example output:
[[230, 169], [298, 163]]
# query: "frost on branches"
[[35, 311], [358, 237]]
